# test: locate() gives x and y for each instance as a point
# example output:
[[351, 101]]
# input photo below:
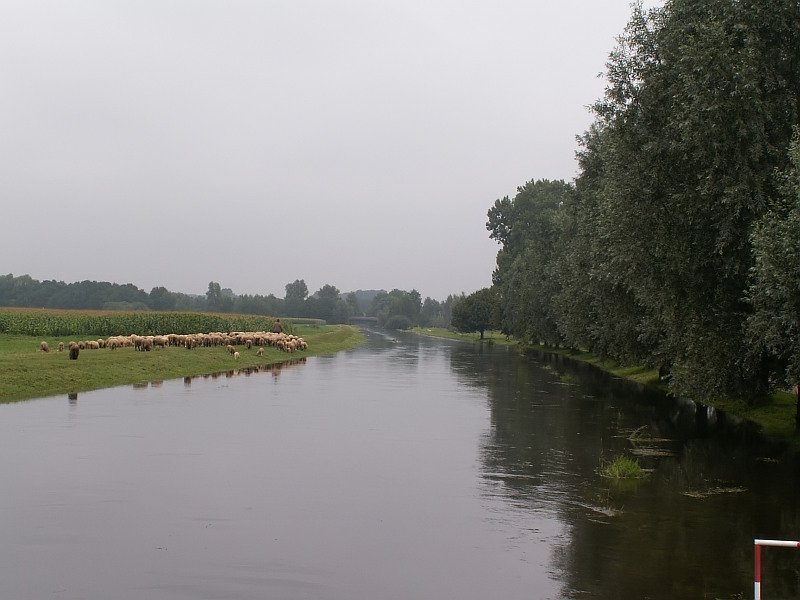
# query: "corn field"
[[55, 323]]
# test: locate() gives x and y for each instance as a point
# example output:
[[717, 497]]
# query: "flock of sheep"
[[249, 339]]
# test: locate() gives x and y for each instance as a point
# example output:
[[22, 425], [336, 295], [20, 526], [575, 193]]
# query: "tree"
[[774, 326], [214, 296], [161, 298], [696, 117], [385, 306], [476, 312], [295, 298], [525, 281], [330, 306], [352, 302]]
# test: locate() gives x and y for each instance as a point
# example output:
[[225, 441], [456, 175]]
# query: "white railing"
[[758, 544]]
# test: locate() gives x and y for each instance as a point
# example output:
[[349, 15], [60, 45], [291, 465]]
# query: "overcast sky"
[[353, 142]]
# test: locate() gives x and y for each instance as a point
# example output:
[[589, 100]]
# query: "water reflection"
[[684, 532], [273, 369]]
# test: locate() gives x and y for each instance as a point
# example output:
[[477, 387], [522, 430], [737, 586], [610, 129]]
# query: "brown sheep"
[[74, 349], [231, 349], [44, 347]]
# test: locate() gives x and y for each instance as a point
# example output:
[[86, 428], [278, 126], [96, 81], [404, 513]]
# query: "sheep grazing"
[[231, 349], [260, 352], [236, 355], [74, 349], [44, 347], [60, 346]]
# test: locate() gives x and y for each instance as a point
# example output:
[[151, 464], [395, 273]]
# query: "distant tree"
[[352, 302], [398, 322], [161, 299], [214, 296], [295, 299], [330, 306], [385, 306], [476, 312], [258, 305]]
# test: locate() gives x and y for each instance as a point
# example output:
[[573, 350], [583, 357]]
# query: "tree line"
[[678, 243], [397, 309]]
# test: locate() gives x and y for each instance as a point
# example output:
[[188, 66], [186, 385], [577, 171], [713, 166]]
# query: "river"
[[408, 468]]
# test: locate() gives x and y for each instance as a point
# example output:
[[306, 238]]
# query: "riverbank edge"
[[775, 418], [29, 373]]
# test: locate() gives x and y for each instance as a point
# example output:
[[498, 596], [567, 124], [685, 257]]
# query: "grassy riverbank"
[[29, 373], [489, 337], [775, 415]]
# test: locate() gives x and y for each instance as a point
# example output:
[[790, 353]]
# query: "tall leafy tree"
[[160, 298], [528, 231], [596, 311], [295, 298], [476, 312], [775, 290], [698, 113]]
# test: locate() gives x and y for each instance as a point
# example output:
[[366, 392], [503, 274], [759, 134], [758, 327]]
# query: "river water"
[[410, 468]]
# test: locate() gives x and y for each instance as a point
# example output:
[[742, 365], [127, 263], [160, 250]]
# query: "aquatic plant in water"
[[622, 467]]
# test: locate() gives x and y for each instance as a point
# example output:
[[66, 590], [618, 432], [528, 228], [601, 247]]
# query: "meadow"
[[27, 372]]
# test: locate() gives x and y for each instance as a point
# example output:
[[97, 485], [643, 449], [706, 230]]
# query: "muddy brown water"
[[409, 468]]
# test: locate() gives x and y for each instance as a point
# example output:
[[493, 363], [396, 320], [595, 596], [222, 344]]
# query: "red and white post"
[[758, 544]]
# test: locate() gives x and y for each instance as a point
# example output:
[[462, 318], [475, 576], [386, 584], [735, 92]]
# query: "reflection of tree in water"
[[685, 532]]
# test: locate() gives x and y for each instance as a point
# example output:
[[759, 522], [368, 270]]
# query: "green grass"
[[622, 467], [29, 373], [490, 337]]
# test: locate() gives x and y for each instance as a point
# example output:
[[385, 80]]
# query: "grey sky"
[[357, 143]]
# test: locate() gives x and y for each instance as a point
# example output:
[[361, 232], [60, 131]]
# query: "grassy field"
[[26, 372], [489, 337]]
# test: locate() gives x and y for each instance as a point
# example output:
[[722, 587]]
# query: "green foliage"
[[529, 231], [327, 303], [622, 467], [648, 258], [690, 137], [386, 306], [295, 298], [478, 311], [398, 322], [774, 326]]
